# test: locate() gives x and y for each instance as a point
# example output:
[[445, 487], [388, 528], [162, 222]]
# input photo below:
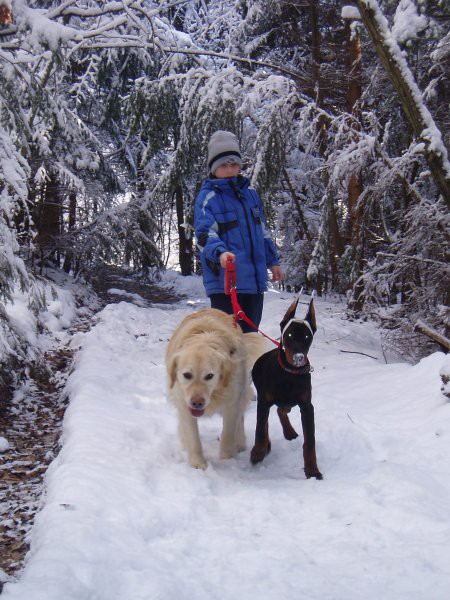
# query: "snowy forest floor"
[[122, 516], [32, 425], [32, 421]]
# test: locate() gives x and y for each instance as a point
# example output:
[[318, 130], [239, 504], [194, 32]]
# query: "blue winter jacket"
[[229, 217]]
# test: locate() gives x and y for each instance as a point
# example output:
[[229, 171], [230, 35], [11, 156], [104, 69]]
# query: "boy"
[[229, 221]]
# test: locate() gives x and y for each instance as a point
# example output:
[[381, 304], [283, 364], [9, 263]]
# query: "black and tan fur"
[[282, 378]]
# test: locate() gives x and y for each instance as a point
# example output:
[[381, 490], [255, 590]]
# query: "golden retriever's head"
[[199, 368]]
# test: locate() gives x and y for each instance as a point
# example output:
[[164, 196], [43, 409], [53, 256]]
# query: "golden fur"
[[208, 361]]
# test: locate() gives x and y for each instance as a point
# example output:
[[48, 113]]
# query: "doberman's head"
[[297, 334]]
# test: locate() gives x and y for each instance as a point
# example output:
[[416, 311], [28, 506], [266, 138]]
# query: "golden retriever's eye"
[[187, 375], [209, 376]]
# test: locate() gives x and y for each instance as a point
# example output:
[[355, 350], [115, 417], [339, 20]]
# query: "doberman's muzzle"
[[299, 359]]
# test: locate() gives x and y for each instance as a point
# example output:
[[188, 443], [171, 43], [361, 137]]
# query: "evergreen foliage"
[[106, 110]]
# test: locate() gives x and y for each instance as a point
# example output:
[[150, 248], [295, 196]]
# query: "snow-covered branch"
[[410, 96]]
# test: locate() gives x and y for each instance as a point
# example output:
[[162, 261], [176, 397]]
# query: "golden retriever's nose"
[[198, 402]]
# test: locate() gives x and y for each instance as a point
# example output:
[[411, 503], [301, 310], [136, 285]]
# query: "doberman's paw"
[[317, 474], [288, 431], [259, 452], [257, 455]]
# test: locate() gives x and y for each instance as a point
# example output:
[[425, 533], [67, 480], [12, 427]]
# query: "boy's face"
[[227, 170]]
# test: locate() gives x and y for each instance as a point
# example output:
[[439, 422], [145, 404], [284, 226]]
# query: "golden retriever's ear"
[[172, 370], [230, 342], [225, 376], [225, 372]]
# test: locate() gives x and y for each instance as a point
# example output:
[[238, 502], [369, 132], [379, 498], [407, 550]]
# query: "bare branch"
[[362, 353], [421, 327], [418, 258]]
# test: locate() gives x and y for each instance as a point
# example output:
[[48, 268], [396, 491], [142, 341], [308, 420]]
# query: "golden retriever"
[[208, 361]]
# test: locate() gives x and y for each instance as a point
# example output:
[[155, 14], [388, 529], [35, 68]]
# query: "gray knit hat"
[[223, 147]]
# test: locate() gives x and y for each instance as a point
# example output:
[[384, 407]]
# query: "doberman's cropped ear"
[[311, 316], [290, 314]]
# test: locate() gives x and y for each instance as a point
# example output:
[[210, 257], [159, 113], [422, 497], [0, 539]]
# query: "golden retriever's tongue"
[[197, 412]]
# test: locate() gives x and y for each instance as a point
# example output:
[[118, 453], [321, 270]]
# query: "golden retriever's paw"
[[227, 453], [198, 462], [241, 447]]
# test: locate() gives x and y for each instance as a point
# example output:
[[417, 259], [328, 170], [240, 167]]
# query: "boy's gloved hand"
[[223, 258], [277, 272]]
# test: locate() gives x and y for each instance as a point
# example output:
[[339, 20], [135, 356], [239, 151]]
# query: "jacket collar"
[[224, 184]]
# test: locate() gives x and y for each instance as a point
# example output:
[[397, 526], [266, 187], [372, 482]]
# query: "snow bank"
[[58, 313], [126, 518], [445, 376], [191, 285]]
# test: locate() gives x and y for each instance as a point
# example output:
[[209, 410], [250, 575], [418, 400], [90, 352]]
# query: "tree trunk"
[[355, 188], [185, 240], [47, 219], [295, 198], [72, 220], [322, 131], [316, 74], [420, 119], [353, 98]]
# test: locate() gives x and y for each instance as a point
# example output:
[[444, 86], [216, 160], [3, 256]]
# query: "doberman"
[[283, 377]]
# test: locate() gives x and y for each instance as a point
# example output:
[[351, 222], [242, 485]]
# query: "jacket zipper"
[[238, 194]]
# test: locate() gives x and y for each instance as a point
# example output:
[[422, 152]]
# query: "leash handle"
[[230, 275]]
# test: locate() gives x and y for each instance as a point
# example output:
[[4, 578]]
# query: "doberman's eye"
[[209, 376], [187, 375]]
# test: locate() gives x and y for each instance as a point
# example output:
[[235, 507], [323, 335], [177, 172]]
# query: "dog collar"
[[293, 370]]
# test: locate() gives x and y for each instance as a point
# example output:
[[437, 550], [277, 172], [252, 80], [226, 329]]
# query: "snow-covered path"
[[125, 517]]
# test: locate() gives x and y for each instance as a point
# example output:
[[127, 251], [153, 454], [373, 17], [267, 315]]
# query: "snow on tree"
[[427, 133], [109, 107]]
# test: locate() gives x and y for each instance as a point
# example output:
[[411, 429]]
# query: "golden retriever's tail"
[[256, 345]]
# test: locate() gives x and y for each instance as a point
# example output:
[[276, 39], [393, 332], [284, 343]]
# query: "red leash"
[[230, 275], [230, 290]]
